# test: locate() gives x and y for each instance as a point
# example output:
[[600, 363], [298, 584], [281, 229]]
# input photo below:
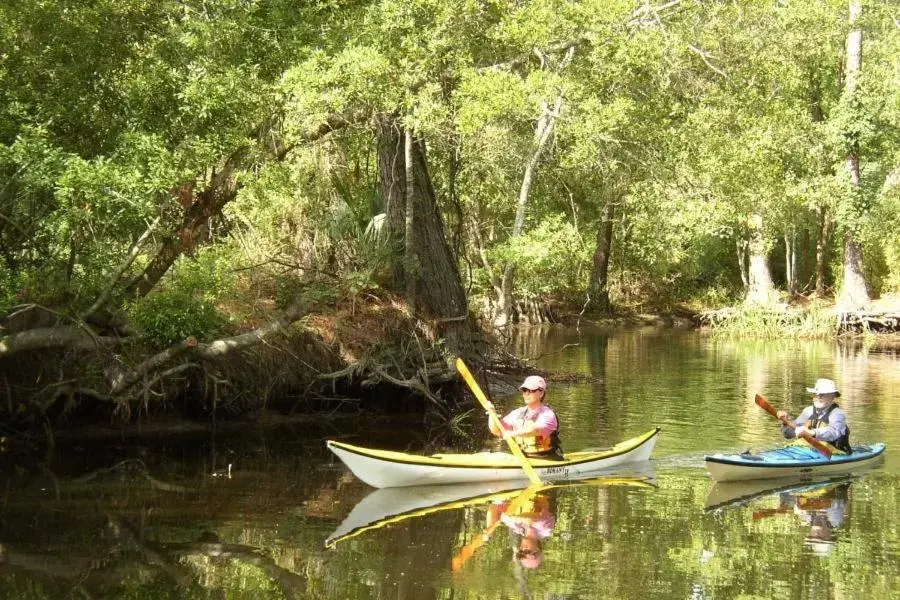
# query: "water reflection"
[[528, 514], [162, 525], [529, 524], [821, 506]]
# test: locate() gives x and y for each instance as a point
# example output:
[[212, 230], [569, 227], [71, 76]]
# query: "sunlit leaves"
[[324, 85], [550, 257]]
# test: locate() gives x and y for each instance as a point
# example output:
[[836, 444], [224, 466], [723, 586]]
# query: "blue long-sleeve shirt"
[[837, 424]]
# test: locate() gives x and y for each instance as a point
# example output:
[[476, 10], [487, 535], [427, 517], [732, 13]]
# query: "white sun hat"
[[824, 386]]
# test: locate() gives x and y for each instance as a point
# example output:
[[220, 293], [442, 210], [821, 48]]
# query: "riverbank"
[[368, 355], [805, 317]]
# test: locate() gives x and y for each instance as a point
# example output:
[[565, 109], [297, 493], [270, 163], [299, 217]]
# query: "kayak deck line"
[[860, 453]]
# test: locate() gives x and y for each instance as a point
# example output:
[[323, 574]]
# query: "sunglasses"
[[527, 391]]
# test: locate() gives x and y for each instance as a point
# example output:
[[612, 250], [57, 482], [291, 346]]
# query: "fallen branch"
[[123, 531], [293, 585], [220, 348], [125, 381], [348, 371], [44, 338], [169, 373], [413, 383]]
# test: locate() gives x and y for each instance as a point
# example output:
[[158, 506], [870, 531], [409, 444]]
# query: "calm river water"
[[268, 513]]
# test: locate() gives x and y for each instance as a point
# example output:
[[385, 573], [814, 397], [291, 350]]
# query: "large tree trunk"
[[804, 261], [741, 251], [436, 291], [854, 291], [392, 181], [410, 266], [761, 290], [599, 288]]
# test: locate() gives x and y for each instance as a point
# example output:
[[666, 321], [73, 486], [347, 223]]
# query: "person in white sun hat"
[[534, 426], [824, 420]]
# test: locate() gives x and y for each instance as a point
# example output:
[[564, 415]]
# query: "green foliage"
[[187, 304], [316, 293], [687, 120], [9, 288], [166, 317], [550, 258]]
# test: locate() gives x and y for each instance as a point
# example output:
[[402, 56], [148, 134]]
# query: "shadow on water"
[[151, 515]]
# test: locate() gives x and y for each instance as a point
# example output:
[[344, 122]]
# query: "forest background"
[[224, 206]]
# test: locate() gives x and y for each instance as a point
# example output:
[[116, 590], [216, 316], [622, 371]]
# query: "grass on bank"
[[814, 321]]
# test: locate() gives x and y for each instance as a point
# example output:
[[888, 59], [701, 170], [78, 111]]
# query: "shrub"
[[185, 304]]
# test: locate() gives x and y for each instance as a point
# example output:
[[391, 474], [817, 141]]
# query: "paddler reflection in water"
[[529, 524], [534, 426], [824, 511]]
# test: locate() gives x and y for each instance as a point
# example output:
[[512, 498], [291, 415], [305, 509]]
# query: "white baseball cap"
[[533, 382]]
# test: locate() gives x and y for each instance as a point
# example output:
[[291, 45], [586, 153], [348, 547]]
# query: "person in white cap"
[[824, 420], [534, 426]]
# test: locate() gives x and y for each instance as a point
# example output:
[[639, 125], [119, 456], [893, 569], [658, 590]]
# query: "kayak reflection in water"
[[529, 524]]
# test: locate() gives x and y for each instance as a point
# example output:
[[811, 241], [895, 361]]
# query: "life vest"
[[540, 446], [819, 420]]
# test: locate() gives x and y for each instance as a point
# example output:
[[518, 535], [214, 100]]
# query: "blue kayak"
[[791, 461]]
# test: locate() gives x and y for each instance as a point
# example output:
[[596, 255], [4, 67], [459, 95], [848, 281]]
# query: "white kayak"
[[385, 468]]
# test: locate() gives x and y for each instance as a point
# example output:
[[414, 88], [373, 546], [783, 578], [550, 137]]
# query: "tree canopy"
[[162, 159]]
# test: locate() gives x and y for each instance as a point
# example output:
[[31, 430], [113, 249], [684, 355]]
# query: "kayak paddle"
[[763, 404], [514, 505], [770, 512], [513, 446]]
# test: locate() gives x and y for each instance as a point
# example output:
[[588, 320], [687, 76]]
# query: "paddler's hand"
[[782, 415], [509, 433], [488, 407], [799, 431]]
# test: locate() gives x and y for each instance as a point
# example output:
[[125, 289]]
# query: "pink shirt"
[[544, 419], [537, 526]]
